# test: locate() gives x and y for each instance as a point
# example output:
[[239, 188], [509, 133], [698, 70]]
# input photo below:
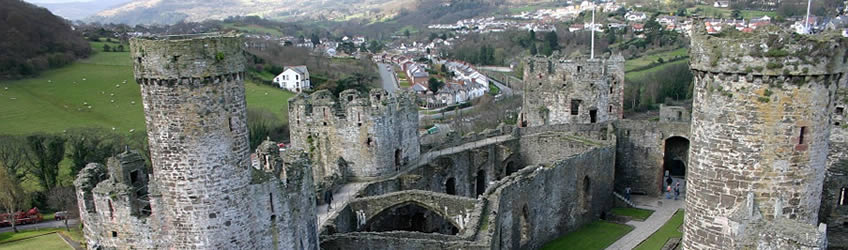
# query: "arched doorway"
[[450, 186], [511, 167], [675, 158], [398, 157], [481, 182], [410, 216]]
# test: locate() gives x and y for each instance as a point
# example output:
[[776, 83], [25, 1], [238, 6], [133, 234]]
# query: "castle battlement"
[[559, 90], [355, 134], [769, 51]]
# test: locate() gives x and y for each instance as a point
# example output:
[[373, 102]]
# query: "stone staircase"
[[622, 199]]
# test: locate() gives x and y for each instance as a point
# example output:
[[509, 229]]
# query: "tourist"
[[668, 192], [627, 193], [676, 190]]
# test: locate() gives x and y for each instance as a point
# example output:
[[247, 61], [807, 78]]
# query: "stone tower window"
[[610, 108], [843, 197], [114, 234], [575, 106], [232, 124], [610, 90], [271, 201], [111, 210], [840, 110], [579, 68], [801, 136], [350, 98]]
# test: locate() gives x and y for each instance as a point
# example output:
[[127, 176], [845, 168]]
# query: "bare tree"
[[13, 156], [64, 198], [45, 153], [12, 196]]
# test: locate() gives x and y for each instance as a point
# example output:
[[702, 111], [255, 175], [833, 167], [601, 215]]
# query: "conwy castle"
[[762, 153]]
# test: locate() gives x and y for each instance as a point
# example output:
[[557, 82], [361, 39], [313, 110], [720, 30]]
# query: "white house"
[[294, 78]]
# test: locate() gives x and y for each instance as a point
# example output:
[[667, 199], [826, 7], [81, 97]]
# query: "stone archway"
[[511, 167], [675, 158], [411, 216]]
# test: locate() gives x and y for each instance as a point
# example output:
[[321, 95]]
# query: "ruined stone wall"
[[832, 213], [760, 127], [456, 209], [674, 114], [548, 146], [463, 167], [355, 135], [560, 91], [539, 204], [640, 149]]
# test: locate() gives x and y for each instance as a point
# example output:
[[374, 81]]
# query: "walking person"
[[676, 190], [328, 200], [668, 192], [627, 193]]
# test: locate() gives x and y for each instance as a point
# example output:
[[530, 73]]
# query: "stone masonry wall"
[[640, 149], [554, 86], [834, 214], [760, 127], [355, 135]]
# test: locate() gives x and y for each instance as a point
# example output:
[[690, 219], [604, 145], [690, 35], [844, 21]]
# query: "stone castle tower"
[[358, 135], [202, 192], [560, 91], [760, 128]]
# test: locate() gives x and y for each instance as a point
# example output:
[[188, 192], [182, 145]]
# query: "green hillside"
[[95, 92]]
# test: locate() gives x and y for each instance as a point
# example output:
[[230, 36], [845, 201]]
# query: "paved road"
[[45, 224], [663, 210], [388, 77]]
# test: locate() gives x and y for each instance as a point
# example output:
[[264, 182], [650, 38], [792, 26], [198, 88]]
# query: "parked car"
[[60, 215]]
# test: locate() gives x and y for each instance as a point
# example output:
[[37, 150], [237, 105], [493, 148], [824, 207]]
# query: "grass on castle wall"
[[635, 213], [56, 100], [596, 235], [46, 242], [667, 231]]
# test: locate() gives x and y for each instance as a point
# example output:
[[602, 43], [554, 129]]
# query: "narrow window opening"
[[450, 186], [843, 197], [840, 110], [575, 106], [679, 115], [271, 201], [378, 97], [610, 90], [593, 116], [134, 177], [111, 210], [368, 141], [801, 137], [350, 98], [540, 83], [114, 234], [610, 108], [579, 68], [231, 124]]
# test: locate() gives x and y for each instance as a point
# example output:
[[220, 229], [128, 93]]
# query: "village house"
[[294, 79], [635, 16]]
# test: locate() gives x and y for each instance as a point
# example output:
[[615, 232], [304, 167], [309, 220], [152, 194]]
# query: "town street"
[[388, 77]]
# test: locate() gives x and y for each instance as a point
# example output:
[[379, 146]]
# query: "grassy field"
[[632, 75], [46, 242], [667, 231], [253, 28], [646, 60], [95, 92], [710, 11], [597, 235], [10, 236], [635, 213]]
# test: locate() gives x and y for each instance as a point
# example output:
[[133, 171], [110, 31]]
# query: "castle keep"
[[202, 192], [358, 135], [760, 131], [559, 91]]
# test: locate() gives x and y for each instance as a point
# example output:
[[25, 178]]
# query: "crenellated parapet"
[[355, 134], [769, 51], [560, 90]]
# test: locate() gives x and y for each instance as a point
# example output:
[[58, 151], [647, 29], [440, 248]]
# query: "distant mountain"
[[34, 39], [172, 11], [78, 10]]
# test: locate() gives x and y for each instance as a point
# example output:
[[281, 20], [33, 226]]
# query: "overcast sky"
[[57, 1]]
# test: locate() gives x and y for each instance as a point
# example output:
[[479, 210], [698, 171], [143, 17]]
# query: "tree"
[[375, 46], [91, 145], [315, 39], [406, 33], [13, 198], [553, 40], [736, 14], [533, 50], [13, 156], [120, 48], [444, 68], [434, 84], [64, 199], [259, 123], [45, 153], [107, 48]]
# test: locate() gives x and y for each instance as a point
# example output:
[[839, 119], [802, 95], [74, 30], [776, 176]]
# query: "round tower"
[[760, 128], [194, 102]]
